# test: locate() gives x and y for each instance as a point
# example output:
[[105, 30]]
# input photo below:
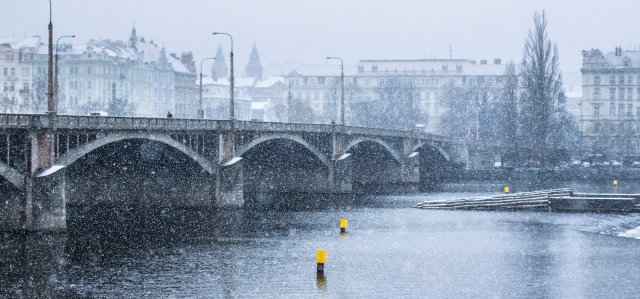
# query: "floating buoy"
[[506, 189], [321, 259], [344, 224]]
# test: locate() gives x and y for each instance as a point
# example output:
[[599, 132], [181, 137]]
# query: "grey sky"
[[301, 31]]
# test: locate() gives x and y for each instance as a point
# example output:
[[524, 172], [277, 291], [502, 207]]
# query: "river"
[[390, 250]]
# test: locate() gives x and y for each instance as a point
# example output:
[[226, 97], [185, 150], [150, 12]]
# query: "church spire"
[[254, 67], [219, 69], [133, 38]]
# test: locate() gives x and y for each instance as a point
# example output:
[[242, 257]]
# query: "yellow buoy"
[[344, 224], [321, 259], [506, 189]]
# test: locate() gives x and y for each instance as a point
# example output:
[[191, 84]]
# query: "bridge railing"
[[175, 124]]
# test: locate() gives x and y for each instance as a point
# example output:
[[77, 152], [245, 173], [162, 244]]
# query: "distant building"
[[17, 77], [608, 113], [256, 97], [132, 78], [425, 77]]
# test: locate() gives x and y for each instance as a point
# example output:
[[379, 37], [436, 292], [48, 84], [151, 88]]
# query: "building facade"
[[132, 78], [608, 112], [422, 80]]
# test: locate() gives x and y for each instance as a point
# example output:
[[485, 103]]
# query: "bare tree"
[[542, 84], [396, 105]]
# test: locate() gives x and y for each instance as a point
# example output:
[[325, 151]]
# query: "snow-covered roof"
[[269, 82], [629, 58], [19, 43]]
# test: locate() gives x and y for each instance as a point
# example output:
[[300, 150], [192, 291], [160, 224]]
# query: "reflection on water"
[[391, 250]]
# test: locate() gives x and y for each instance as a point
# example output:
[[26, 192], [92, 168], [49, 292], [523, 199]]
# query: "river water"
[[390, 250]]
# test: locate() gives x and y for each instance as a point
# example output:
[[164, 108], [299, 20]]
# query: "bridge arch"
[[396, 156], [297, 139], [79, 152], [436, 148], [12, 176]]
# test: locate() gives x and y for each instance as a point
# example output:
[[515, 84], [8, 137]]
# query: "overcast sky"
[[304, 32]]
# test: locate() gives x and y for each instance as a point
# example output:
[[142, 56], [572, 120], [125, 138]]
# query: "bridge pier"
[[230, 186], [46, 198]]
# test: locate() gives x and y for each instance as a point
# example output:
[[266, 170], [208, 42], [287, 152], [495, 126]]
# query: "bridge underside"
[[275, 169]]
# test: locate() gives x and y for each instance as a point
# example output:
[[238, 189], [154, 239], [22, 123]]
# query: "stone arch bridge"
[[37, 150]]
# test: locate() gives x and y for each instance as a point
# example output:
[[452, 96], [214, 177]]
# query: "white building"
[[428, 77], [260, 100], [17, 91], [609, 112], [133, 78]]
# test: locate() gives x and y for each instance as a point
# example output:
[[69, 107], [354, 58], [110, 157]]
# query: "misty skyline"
[[290, 33]]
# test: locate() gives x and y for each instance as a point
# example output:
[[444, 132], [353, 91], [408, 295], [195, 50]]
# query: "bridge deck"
[[173, 124]]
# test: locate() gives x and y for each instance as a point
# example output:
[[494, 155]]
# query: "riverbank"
[[594, 174]]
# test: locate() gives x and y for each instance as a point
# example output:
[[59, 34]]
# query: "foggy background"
[[290, 33]]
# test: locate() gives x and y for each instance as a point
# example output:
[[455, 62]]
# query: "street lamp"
[[232, 115], [57, 84], [51, 107], [201, 110], [341, 87]]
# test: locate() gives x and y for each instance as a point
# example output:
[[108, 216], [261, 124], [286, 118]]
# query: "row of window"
[[623, 110], [375, 69], [12, 86], [622, 93], [622, 79], [469, 80]]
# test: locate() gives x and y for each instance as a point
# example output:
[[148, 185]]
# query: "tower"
[[219, 69], [254, 67], [133, 38]]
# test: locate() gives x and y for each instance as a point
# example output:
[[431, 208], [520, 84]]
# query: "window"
[[596, 111], [629, 79], [596, 80], [374, 68], [459, 68], [321, 80], [5, 71], [88, 84], [25, 86], [612, 109], [612, 93], [621, 93], [620, 110], [629, 93], [445, 68], [629, 110], [596, 93], [621, 79], [612, 80], [360, 69], [13, 72]]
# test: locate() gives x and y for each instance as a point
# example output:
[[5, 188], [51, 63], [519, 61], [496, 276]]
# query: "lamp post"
[[56, 82], [201, 110], [232, 115], [51, 107], [341, 87]]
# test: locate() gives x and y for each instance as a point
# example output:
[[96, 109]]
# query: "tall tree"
[[542, 84], [507, 116]]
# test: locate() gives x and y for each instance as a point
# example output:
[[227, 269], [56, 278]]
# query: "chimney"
[[497, 61]]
